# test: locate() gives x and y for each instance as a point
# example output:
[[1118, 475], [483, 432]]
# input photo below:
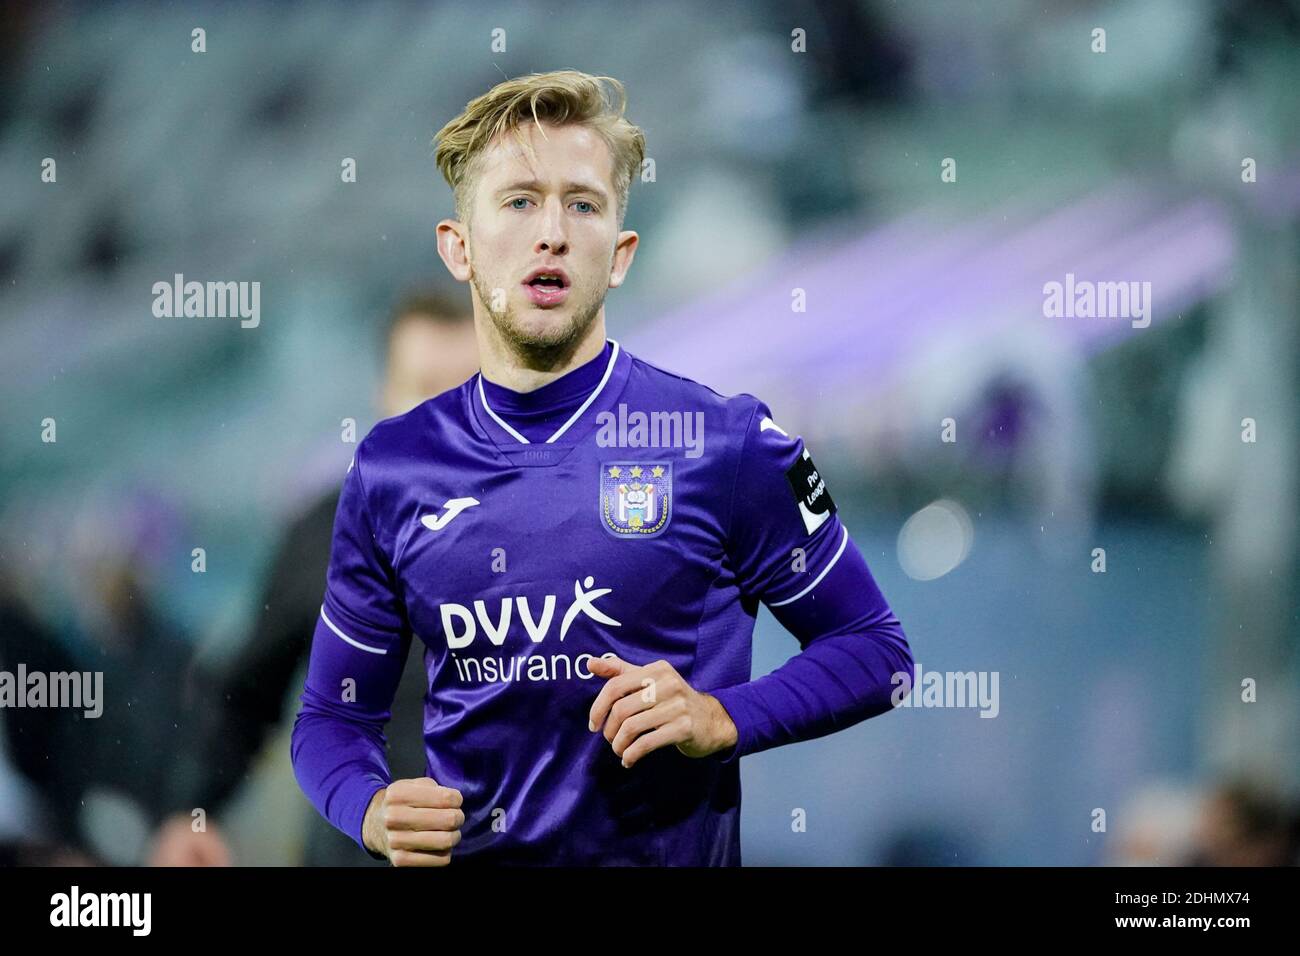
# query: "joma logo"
[[461, 626]]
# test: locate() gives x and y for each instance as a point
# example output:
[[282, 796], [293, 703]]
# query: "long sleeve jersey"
[[619, 509]]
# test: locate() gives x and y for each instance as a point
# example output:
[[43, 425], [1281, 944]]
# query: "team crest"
[[636, 498]]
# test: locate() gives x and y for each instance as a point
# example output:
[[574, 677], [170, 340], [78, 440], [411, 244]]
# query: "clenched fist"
[[414, 822]]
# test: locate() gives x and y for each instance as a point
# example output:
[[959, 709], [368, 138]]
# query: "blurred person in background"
[[1237, 821], [92, 787], [430, 347], [39, 789], [1244, 822], [1156, 826]]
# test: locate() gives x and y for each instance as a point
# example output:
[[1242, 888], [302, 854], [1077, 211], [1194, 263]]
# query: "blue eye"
[[583, 202], [517, 199]]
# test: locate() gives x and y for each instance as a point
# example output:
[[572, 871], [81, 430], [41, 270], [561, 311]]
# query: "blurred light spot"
[[935, 540], [116, 826]]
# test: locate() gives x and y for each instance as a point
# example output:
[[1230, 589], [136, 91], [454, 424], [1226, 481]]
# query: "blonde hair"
[[560, 97]]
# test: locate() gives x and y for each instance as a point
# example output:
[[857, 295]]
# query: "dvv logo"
[[461, 625]]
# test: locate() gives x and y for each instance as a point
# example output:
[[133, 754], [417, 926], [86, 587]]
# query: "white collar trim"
[[609, 370]]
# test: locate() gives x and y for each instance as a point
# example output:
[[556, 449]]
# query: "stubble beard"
[[554, 343]]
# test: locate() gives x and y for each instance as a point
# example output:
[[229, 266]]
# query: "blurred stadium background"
[[774, 171]]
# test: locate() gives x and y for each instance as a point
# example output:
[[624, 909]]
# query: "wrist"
[[372, 825], [726, 734]]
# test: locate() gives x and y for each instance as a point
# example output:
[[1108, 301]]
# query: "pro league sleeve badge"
[[810, 493]]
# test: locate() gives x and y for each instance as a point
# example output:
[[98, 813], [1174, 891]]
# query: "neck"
[[523, 369]]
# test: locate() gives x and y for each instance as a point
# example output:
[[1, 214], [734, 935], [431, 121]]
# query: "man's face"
[[425, 358], [555, 211]]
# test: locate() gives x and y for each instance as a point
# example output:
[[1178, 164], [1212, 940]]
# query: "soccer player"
[[580, 540]]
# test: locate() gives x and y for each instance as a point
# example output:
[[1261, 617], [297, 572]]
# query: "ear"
[[453, 249], [624, 250]]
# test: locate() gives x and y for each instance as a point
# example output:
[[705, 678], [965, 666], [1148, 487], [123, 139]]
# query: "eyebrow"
[[569, 187]]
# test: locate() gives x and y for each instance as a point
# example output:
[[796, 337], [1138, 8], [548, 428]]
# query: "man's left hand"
[[643, 708]]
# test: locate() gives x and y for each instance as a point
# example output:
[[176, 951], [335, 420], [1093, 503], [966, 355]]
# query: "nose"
[[553, 238]]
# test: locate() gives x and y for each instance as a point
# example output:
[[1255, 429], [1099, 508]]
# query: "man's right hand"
[[414, 822]]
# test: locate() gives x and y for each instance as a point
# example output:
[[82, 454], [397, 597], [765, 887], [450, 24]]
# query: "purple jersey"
[[646, 516]]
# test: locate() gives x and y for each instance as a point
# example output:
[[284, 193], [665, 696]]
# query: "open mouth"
[[547, 287]]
